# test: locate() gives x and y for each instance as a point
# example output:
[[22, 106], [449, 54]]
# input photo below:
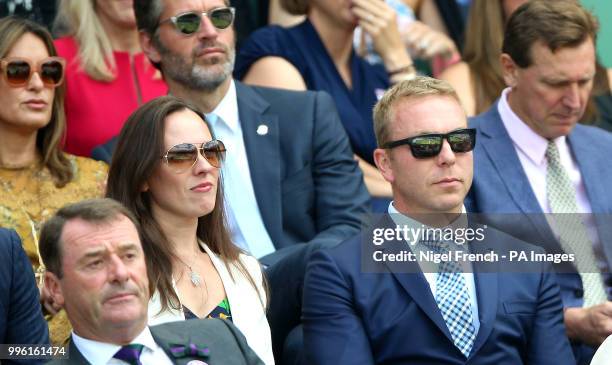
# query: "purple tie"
[[130, 353]]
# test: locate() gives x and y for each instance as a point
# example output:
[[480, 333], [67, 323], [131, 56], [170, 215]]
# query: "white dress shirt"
[[244, 218], [100, 353], [531, 150], [430, 275]]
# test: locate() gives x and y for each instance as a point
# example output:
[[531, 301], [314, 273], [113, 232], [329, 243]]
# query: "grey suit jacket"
[[227, 345]]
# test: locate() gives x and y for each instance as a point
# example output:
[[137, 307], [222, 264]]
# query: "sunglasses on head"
[[430, 145], [183, 156], [190, 22], [18, 71]]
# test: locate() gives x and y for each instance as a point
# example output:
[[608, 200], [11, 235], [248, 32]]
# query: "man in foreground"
[[96, 270]]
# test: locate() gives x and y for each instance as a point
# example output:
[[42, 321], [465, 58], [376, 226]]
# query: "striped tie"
[[130, 353], [573, 235]]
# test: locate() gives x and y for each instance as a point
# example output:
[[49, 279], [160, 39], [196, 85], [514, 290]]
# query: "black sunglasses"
[[190, 22], [183, 156], [430, 145]]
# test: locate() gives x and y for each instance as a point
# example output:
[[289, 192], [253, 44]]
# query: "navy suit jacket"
[[226, 343], [21, 320], [355, 317], [501, 186]]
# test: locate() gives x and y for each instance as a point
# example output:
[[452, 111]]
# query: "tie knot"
[[130, 353], [552, 152]]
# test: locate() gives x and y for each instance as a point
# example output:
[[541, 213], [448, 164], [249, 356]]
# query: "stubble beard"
[[206, 77]]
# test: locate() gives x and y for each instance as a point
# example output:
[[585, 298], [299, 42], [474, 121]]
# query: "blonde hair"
[[420, 86], [78, 18]]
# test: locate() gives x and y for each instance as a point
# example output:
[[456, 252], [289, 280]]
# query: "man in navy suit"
[[290, 181], [548, 64], [21, 320], [363, 308]]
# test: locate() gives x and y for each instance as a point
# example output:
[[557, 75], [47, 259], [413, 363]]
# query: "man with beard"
[[291, 183], [96, 270]]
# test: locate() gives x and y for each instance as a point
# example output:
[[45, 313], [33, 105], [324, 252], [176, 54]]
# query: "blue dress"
[[301, 46]]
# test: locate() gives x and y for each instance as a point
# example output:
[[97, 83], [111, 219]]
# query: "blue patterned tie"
[[130, 353], [453, 300]]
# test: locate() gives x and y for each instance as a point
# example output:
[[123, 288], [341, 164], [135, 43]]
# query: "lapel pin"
[[262, 129]]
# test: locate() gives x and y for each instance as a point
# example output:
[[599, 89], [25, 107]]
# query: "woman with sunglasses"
[[165, 169], [36, 177], [107, 75]]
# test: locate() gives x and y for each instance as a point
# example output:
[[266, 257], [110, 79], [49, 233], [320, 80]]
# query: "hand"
[[426, 43], [46, 299], [378, 20], [590, 325]]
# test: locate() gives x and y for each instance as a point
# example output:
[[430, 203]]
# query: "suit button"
[[578, 293]]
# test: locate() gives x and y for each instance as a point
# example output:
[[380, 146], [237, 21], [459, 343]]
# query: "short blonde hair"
[[420, 86], [78, 18]]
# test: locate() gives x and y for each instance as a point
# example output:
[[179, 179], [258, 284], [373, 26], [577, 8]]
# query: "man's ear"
[[383, 163], [52, 284], [146, 42], [509, 69]]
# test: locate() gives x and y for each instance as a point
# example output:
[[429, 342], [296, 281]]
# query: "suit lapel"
[[261, 135], [166, 339], [411, 278], [500, 150], [592, 178], [75, 356], [486, 279]]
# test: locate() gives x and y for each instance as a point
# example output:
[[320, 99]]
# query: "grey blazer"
[[227, 345]]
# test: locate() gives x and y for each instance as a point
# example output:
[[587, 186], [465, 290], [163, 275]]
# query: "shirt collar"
[[524, 138], [100, 353], [404, 220], [227, 109]]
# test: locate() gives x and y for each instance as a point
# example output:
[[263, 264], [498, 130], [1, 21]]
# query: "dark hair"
[[148, 12], [558, 24], [140, 145], [295, 7], [50, 137], [98, 211]]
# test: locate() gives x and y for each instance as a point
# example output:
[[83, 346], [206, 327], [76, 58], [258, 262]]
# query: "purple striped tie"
[[130, 353]]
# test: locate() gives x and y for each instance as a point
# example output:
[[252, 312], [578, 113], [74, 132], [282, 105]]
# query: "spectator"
[[96, 269], [21, 319], [479, 80], [317, 54], [534, 161], [419, 311], [107, 75], [291, 184], [178, 199], [36, 177]]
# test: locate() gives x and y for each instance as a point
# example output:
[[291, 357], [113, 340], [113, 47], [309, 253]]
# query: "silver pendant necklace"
[[195, 278]]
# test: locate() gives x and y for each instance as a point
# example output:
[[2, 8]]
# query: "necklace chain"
[[194, 276]]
